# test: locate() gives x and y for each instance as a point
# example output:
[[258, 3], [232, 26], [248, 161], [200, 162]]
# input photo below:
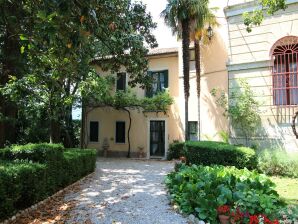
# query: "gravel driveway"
[[125, 191]]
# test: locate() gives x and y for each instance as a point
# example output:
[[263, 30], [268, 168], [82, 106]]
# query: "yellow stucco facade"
[[250, 59], [232, 54]]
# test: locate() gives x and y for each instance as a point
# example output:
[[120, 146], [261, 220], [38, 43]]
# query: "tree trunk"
[[55, 129], [69, 137], [83, 127], [198, 78], [185, 55], [11, 66], [128, 133]]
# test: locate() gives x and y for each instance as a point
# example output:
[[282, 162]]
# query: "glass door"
[[157, 138]]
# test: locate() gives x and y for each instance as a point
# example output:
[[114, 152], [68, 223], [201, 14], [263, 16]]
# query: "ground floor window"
[[285, 71], [120, 132], [193, 130], [94, 130]]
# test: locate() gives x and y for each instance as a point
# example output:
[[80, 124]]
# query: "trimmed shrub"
[[219, 153], [78, 163], [49, 154], [200, 190], [21, 185], [278, 163], [43, 152], [24, 182], [176, 150], [6, 154]]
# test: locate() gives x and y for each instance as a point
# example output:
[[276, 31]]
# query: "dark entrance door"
[[157, 138]]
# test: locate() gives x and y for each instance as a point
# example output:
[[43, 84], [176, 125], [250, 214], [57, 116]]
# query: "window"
[[193, 130], [285, 70], [120, 132], [160, 82], [93, 131], [121, 81]]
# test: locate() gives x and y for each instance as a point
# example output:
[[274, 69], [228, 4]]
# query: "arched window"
[[284, 55]]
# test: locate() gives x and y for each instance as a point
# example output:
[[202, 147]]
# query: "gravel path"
[[125, 192]]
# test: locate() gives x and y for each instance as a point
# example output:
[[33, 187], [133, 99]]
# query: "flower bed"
[[201, 190]]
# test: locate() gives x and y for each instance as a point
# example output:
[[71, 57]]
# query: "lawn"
[[287, 189]]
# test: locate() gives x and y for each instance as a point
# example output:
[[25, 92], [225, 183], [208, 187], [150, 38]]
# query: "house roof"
[[152, 52], [160, 51]]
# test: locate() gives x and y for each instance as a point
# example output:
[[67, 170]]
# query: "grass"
[[287, 189]]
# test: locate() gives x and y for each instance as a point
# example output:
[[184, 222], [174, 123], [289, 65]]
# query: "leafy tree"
[[199, 35], [12, 63], [99, 92], [179, 15], [62, 38], [268, 7]]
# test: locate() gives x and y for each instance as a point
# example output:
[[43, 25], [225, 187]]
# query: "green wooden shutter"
[[166, 76], [148, 92]]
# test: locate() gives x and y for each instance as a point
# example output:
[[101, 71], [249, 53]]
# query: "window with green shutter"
[[160, 82], [93, 131], [121, 81], [120, 131]]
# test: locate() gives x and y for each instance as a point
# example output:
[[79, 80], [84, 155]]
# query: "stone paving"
[[126, 192]]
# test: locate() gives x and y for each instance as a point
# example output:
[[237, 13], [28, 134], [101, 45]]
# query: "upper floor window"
[[285, 71], [121, 81], [160, 82]]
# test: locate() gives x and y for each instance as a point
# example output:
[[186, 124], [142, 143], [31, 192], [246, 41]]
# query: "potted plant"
[[224, 212]]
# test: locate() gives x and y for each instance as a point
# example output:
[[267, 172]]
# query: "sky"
[[162, 33]]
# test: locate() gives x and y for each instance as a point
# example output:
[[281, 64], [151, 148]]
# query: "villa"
[[267, 58]]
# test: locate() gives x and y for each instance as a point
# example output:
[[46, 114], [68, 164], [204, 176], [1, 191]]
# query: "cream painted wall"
[[214, 75], [107, 117], [249, 58], [232, 54]]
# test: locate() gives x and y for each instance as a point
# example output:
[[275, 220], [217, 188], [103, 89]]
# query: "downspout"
[[229, 56]]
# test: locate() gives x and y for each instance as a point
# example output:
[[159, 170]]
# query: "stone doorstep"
[[33, 207]]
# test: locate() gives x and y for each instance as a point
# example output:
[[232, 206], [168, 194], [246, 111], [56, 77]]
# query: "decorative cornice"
[[248, 65], [239, 9]]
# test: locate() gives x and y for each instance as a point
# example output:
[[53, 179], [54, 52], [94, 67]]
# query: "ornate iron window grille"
[[284, 59]]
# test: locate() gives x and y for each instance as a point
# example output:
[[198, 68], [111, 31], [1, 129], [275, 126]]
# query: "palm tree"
[[179, 16], [199, 34]]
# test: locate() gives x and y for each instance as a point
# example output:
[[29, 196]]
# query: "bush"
[[43, 152], [78, 163], [176, 150], [278, 163], [21, 185], [31, 181], [6, 154], [49, 154], [200, 190], [219, 153]]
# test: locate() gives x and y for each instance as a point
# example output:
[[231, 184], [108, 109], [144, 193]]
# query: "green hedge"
[[78, 163], [176, 150], [21, 185], [59, 167], [218, 153], [43, 152], [49, 154]]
